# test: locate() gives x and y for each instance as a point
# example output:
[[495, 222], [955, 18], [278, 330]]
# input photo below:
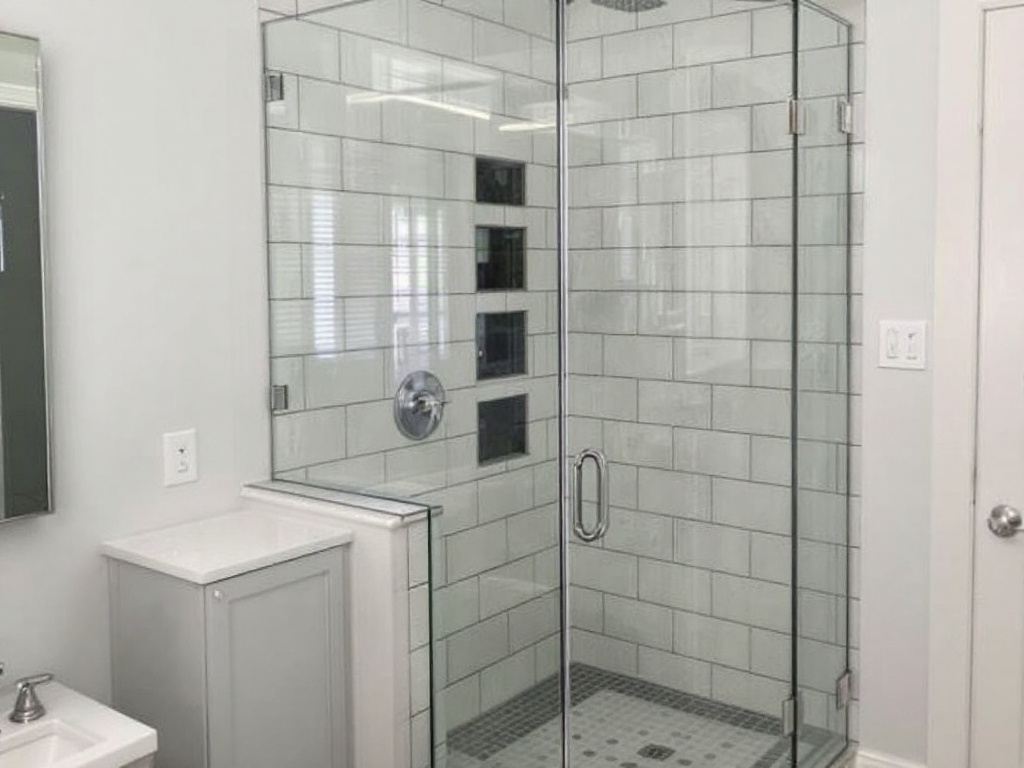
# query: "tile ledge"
[[384, 513]]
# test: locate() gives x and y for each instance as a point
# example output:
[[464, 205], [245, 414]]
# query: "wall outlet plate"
[[181, 459], [903, 344]]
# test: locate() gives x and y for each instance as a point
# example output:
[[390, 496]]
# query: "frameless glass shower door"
[[680, 345], [575, 275]]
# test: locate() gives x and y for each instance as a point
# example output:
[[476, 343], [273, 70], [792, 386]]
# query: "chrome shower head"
[[630, 6]]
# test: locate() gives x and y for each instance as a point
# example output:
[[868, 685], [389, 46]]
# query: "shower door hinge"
[[844, 690], [845, 116], [273, 87], [791, 714], [279, 397], [797, 117]]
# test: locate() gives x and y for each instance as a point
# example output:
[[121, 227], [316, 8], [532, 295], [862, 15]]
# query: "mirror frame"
[[40, 112]]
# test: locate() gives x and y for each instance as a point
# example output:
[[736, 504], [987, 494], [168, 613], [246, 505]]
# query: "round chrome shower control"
[[419, 405]]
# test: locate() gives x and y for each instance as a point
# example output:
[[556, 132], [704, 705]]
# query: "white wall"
[[157, 272], [900, 222]]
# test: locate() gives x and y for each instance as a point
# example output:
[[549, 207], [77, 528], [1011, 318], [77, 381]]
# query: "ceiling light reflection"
[[377, 98]]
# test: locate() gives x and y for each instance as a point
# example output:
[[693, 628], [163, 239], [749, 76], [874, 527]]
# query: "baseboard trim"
[[866, 759]]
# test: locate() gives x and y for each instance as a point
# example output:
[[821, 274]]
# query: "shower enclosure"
[[575, 275]]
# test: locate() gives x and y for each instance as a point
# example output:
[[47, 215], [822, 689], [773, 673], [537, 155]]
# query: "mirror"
[[24, 422]]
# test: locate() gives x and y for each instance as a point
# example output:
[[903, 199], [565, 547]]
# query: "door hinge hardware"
[[844, 690], [845, 116], [797, 117], [791, 714], [273, 87], [279, 397]]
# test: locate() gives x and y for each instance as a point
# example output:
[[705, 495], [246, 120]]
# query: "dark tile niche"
[[500, 344], [502, 182], [500, 259], [502, 429]]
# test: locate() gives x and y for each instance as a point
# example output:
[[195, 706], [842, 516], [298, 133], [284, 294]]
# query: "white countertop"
[[216, 548], [108, 739]]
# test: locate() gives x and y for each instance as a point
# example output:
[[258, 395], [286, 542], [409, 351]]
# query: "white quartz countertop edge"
[[216, 548]]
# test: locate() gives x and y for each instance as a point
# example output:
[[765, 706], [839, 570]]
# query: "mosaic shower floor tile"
[[614, 729], [622, 722]]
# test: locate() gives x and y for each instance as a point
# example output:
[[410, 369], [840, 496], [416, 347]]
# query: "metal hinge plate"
[[273, 87], [845, 116], [797, 117], [791, 714], [279, 397], [844, 690]]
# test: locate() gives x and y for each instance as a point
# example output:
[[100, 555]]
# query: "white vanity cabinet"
[[229, 638]]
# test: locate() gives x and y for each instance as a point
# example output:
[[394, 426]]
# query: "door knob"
[[1005, 521]]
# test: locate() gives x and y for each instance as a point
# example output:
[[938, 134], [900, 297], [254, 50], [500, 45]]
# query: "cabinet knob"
[[218, 595]]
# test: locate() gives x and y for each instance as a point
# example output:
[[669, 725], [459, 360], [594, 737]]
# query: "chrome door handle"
[[603, 500], [1005, 521]]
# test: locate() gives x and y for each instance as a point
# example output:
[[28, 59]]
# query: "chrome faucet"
[[28, 707]]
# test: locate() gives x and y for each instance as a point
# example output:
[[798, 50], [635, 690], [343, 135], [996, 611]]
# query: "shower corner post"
[[848, 126], [794, 703], [562, 132]]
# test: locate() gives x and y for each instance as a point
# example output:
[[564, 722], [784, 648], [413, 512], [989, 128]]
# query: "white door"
[[997, 737]]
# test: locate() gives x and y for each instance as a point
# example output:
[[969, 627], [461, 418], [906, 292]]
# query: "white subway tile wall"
[[680, 315]]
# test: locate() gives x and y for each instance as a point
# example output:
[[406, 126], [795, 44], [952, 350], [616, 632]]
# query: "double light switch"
[[903, 344]]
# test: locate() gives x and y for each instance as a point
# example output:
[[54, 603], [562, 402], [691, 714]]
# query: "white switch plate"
[[181, 460], [903, 344]]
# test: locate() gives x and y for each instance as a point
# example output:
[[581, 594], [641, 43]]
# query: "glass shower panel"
[[412, 191], [823, 382], [680, 341]]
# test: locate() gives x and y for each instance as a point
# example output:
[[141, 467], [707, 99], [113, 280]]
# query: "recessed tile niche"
[[500, 344], [502, 182], [500, 259], [502, 428]]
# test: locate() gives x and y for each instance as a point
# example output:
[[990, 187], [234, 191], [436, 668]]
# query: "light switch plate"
[[903, 344], [181, 459]]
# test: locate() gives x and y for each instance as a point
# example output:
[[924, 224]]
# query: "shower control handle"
[[419, 405], [1005, 521], [429, 404], [603, 499]]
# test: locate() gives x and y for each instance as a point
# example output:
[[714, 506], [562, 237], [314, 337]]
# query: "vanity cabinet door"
[[276, 666]]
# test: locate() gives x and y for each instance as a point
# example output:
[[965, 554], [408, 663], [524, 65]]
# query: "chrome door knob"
[[1005, 521]]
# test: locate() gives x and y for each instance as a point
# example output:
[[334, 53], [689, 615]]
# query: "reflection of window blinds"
[[19, 96], [19, 72]]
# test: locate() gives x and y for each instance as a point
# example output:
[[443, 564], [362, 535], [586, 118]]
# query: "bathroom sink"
[[42, 744], [76, 732]]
